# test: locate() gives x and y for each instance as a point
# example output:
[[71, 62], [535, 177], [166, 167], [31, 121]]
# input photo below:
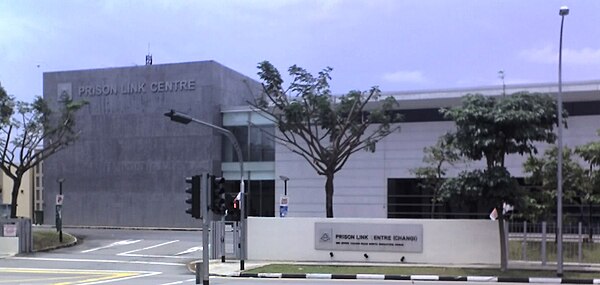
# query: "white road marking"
[[193, 249], [123, 242], [131, 252], [98, 261], [180, 282]]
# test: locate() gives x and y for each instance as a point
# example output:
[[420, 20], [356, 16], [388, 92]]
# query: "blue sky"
[[397, 45]]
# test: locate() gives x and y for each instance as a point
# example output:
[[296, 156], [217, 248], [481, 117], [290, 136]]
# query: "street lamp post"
[[185, 119], [564, 10], [285, 180]]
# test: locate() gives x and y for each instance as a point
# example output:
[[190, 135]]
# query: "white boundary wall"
[[9, 245], [444, 241]]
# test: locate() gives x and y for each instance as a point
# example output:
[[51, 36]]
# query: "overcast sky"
[[397, 45]]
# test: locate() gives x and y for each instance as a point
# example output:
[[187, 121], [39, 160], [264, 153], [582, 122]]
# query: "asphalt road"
[[110, 257], [133, 257]]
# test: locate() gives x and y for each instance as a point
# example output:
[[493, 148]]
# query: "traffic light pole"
[[186, 119], [205, 228]]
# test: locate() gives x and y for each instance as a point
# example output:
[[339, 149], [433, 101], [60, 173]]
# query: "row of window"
[[407, 200], [583, 108]]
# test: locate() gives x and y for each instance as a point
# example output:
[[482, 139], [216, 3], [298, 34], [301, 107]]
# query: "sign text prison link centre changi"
[[369, 237], [136, 88]]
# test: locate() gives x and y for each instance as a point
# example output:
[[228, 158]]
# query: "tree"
[[323, 129], [490, 128], [576, 186], [590, 152], [32, 132], [432, 175]]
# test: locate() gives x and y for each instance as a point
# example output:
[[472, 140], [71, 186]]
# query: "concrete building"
[[129, 165], [27, 201]]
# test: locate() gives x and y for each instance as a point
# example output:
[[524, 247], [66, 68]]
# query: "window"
[[255, 146], [260, 194], [261, 197], [407, 200]]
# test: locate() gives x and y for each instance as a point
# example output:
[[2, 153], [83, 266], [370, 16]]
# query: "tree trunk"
[[590, 228], [503, 249], [14, 196], [329, 195]]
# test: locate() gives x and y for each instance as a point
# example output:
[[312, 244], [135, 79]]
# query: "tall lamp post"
[[285, 180], [185, 119], [564, 10]]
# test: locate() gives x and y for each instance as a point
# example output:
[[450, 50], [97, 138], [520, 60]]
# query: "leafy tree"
[[576, 187], [590, 152], [323, 129], [432, 175], [490, 128], [31, 132]]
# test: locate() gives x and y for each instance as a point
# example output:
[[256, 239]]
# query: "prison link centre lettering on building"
[[136, 88]]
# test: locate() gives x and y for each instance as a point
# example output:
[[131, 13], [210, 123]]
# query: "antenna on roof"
[[501, 76], [149, 56]]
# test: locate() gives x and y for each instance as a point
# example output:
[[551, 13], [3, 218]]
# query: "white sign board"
[[59, 199], [369, 237], [9, 230], [283, 206]]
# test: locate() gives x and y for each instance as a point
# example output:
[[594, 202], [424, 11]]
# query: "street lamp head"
[[178, 117], [284, 178], [564, 10], [60, 180]]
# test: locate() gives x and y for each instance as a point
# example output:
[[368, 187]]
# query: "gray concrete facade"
[[129, 164]]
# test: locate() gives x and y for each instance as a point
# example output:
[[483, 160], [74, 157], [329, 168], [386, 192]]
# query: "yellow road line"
[[105, 278], [83, 276]]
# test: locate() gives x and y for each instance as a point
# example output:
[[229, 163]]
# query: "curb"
[[415, 278]]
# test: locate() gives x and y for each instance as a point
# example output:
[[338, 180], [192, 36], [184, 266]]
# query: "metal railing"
[[537, 242]]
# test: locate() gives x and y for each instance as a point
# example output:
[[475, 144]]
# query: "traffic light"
[[218, 196], [233, 210], [194, 200]]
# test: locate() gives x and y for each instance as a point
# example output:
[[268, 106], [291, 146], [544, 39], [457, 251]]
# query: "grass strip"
[[408, 270], [48, 239]]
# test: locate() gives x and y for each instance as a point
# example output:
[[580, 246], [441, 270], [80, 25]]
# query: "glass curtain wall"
[[252, 131]]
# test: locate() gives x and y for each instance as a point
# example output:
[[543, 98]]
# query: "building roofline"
[[137, 65], [589, 85]]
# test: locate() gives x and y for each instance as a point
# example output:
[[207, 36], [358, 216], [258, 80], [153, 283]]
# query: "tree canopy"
[[31, 132], [490, 128], [322, 128], [437, 159]]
